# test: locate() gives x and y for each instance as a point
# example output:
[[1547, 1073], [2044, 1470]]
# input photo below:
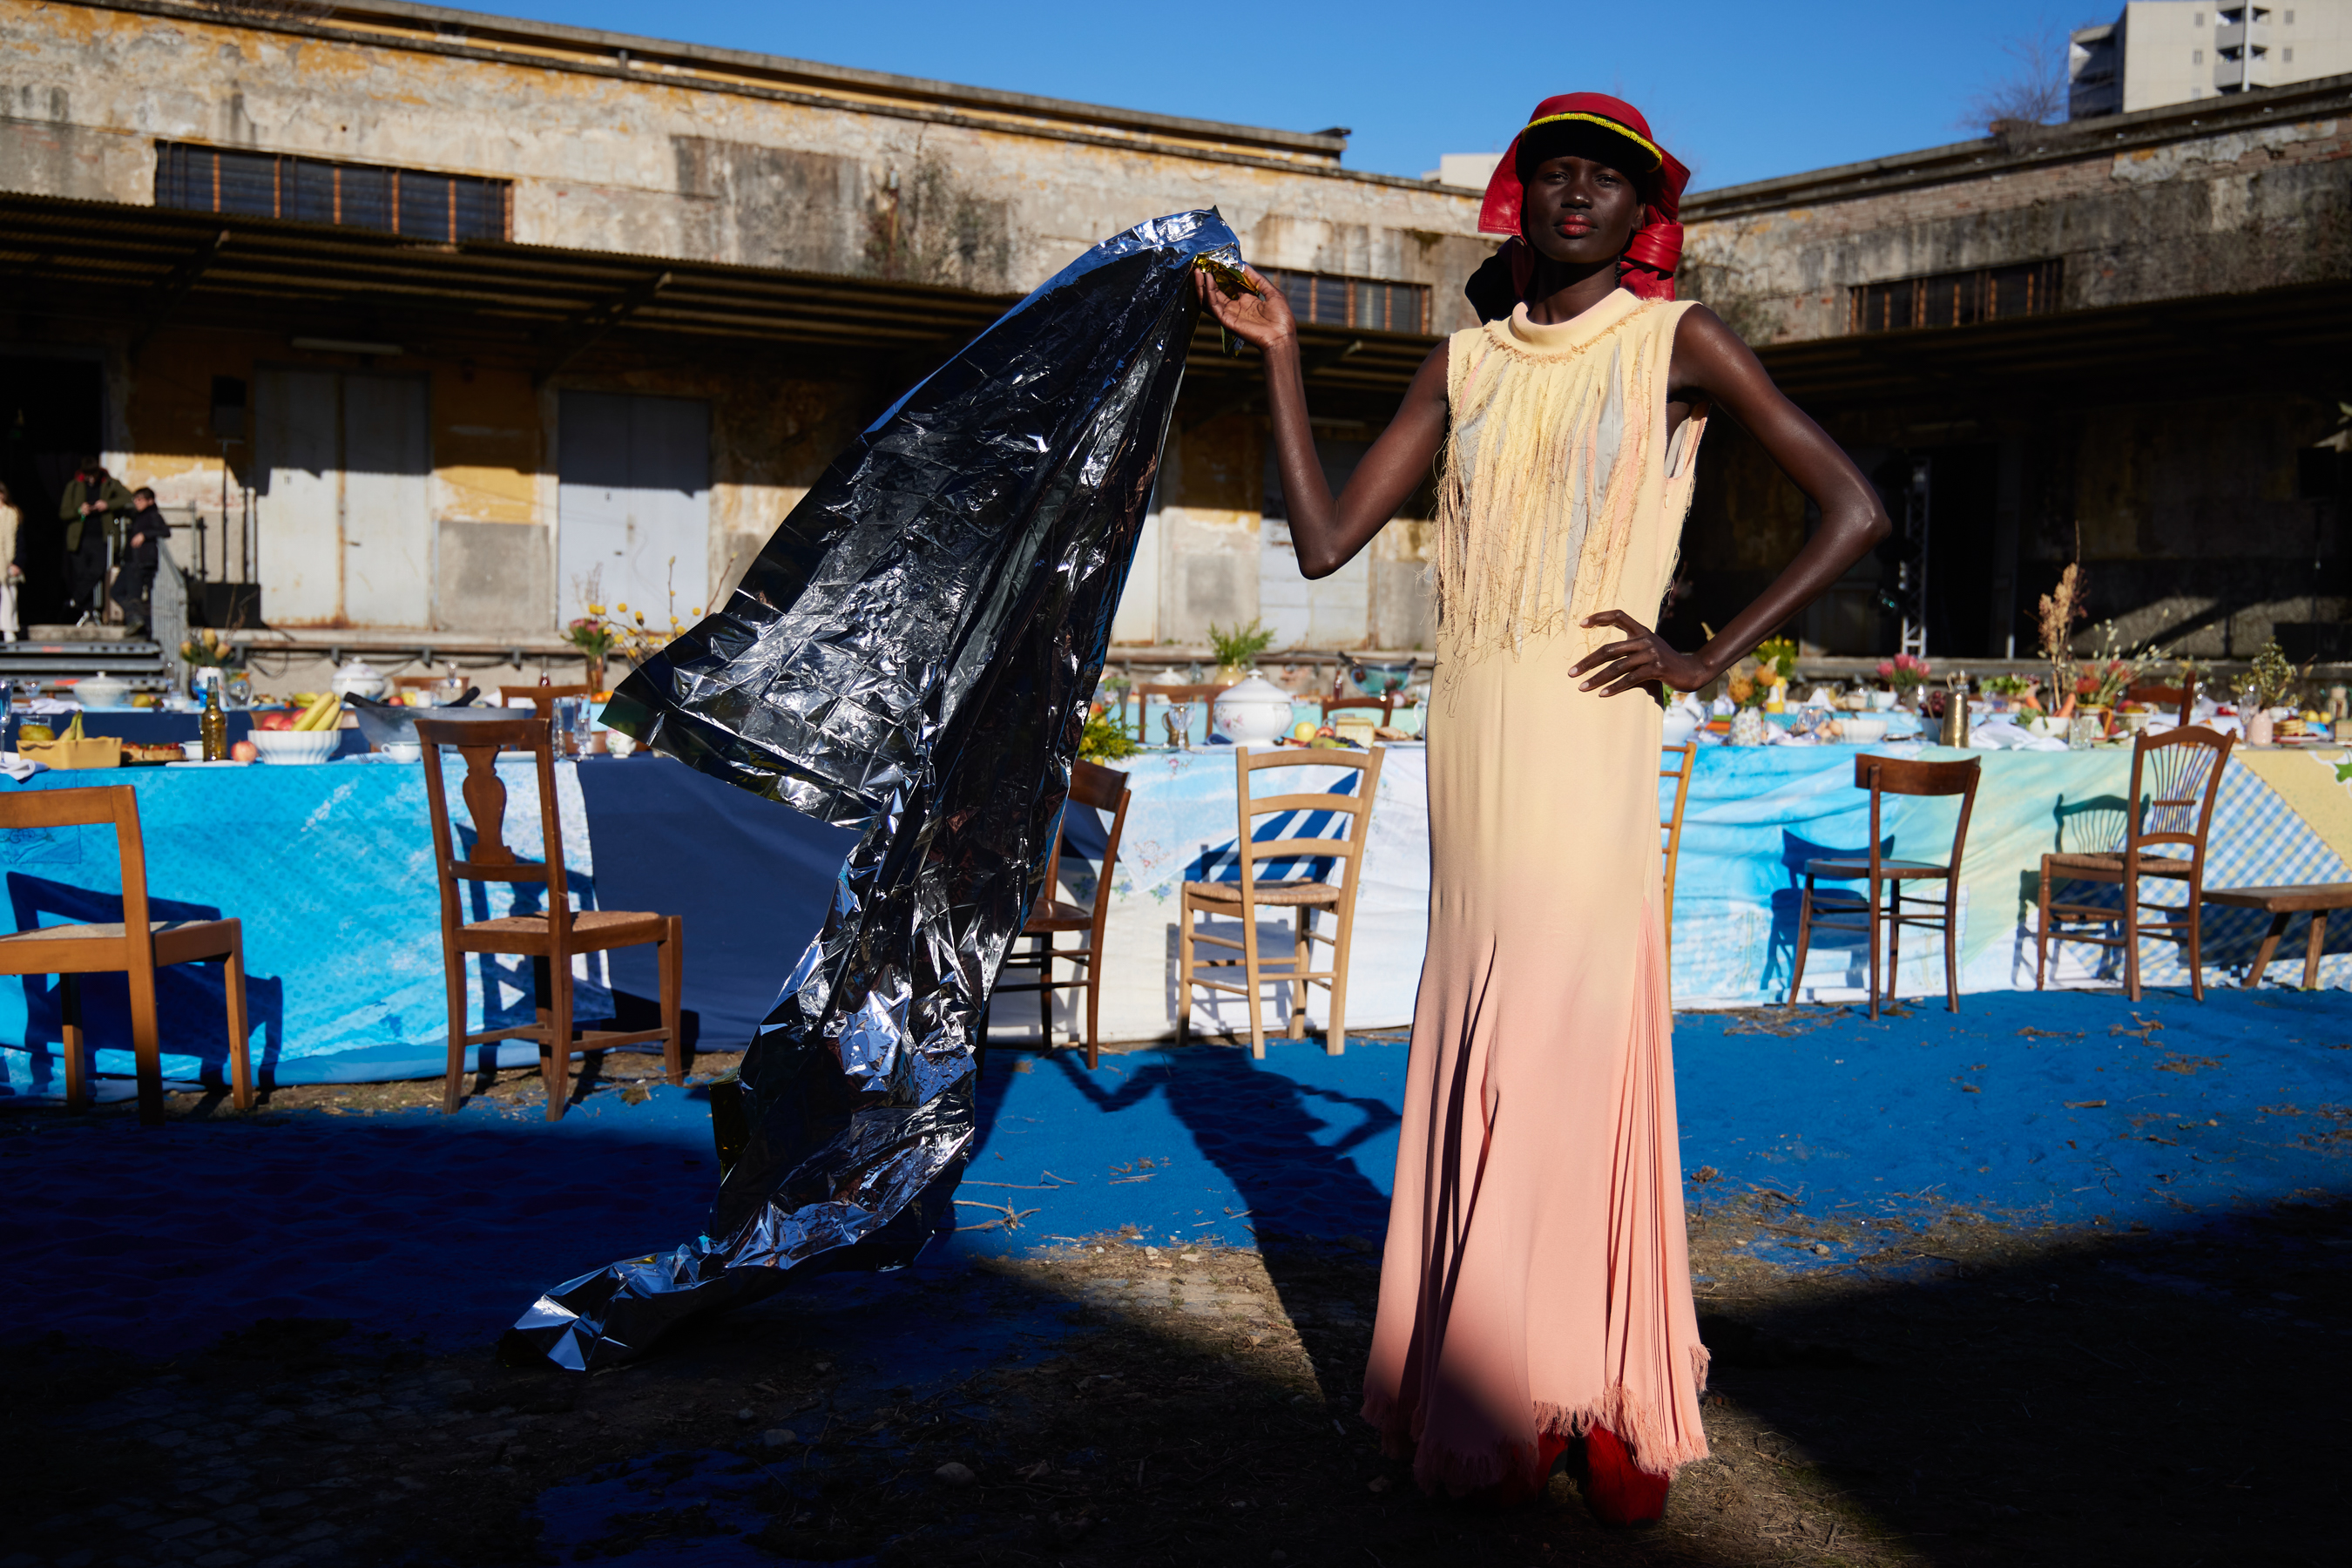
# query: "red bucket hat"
[[1649, 263]]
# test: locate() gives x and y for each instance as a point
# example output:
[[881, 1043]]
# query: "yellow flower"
[[697, 610], [623, 609], [595, 609]]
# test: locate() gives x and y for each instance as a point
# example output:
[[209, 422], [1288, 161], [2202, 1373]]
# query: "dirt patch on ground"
[[1963, 1391]]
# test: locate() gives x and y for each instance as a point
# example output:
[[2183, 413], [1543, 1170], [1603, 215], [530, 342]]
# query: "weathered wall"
[[2214, 212], [664, 151]]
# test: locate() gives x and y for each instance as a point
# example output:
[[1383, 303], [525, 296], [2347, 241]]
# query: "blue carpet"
[[2067, 1108]]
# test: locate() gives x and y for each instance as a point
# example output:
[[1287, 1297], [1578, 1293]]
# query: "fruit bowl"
[[296, 745]]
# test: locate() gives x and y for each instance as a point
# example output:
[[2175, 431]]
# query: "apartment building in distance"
[[2159, 52]]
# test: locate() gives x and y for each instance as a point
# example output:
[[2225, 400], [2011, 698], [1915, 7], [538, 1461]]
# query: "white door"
[[387, 504], [346, 508], [296, 437], [632, 506]]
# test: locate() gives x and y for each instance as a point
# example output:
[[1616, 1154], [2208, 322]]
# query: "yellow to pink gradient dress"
[[1536, 1279]]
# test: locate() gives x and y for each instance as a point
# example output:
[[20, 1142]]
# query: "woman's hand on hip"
[[1262, 320], [1637, 660]]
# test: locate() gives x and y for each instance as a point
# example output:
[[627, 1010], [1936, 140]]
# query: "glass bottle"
[[214, 724]]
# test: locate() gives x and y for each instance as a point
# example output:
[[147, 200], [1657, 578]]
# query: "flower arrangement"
[[1104, 739], [1238, 647], [599, 633], [2017, 691], [2274, 676], [1907, 671], [1748, 684], [1778, 656], [2061, 609], [208, 650]]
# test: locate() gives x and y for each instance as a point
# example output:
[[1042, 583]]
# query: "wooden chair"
[[2175, 779], [1386, 702], [1671, 828], [1883, 776], [1096, 788], [136, 945], [549, 937], [1247, 897], [1204, 695], [2184, 694], [542, 698]]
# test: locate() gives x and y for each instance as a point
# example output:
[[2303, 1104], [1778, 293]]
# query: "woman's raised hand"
[[1261, 319], [1642, 658]]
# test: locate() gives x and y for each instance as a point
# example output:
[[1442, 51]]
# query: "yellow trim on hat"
[[1606, 123]]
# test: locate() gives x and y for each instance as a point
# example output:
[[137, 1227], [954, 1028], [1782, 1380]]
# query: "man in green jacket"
[[92, 509]]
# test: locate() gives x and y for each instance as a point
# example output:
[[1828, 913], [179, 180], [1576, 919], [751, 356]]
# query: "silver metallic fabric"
[[910, 658]]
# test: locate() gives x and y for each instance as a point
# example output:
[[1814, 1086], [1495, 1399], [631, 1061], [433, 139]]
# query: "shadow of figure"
[[191, 999], [1266, 1131], [1780, 947]]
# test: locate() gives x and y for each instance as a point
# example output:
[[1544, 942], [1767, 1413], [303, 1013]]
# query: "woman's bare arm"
[[1711, 362], [1328, 532]]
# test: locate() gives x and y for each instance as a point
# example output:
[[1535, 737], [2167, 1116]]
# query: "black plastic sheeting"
[[910, 658]]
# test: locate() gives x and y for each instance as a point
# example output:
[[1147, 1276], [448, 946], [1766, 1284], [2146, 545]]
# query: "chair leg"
[[2042, 927], [1335, 1039], [453, 972], [1871, 898], [555, 1049], [673, 996], [145, 1047], [1183, 968], [1804, 942], [2131, 939], [2269, 948], [70, 1041], [1894, 938], [1250, 975], [2196, 944], [1094, 1013], [1044, 944], [1952, 944], [2312, 953], [240, 1045], [1302, 959]]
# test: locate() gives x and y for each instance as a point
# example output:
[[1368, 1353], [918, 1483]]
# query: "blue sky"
[[1739, 90]]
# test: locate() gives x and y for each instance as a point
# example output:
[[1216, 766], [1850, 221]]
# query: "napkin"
[[20, 768]]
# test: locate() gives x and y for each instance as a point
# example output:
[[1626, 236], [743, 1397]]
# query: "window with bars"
[[1328, 301], [1956, 299], [409, 202]]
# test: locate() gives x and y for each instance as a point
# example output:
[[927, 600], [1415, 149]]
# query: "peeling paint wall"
[[694, 155]]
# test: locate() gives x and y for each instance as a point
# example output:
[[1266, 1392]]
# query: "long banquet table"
[[329, 868]]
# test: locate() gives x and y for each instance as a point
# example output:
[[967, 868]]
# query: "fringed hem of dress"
[[1455, 1473]]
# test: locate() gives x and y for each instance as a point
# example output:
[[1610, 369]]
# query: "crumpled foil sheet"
[[910, 658]]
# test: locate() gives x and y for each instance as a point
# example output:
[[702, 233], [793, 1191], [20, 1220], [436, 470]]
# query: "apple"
[[245, 751], [274, 722]]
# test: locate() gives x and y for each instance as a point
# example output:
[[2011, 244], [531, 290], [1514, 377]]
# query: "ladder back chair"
[[542, 698], [1244, 899], [2184, 695], [1670, 829], [1203, 694], [1095, 788], [1835, 909], [1386, 704], [2176, 779], [548, 938], [135, 946]]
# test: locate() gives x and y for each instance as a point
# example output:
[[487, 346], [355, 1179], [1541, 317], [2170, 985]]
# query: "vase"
[[1747, 727], [595, 674], [2259, 728], [1230, 674]]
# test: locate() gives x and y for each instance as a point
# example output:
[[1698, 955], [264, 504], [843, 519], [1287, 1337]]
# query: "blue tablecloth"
[[329, 868]]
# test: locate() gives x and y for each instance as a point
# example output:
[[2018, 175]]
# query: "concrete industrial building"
[[2159, 52], [435, 318], [2129, 337]]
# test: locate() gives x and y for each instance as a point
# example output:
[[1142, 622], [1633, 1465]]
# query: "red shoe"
[[1616, 1490]]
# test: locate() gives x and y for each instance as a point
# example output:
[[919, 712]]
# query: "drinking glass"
[[575, 725]]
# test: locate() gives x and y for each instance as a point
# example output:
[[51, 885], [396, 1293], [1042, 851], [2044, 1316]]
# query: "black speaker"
[[226, 606], [228, 409]]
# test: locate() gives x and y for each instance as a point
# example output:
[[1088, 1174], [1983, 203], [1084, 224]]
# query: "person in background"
[[94, 503], [134, 578], [11, 522]]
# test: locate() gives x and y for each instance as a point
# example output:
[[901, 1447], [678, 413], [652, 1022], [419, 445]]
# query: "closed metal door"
[[633, 504], [345, 511]]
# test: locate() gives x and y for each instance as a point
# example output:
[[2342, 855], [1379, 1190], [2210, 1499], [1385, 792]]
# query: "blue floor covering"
[[2067, 1109]]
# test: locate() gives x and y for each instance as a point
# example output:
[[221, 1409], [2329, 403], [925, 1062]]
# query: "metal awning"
[[151, 268]]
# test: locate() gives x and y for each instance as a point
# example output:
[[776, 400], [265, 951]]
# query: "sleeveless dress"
[[1536, 1279]]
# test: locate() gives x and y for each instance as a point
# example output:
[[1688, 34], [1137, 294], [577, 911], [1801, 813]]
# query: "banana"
[[327, 711]]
